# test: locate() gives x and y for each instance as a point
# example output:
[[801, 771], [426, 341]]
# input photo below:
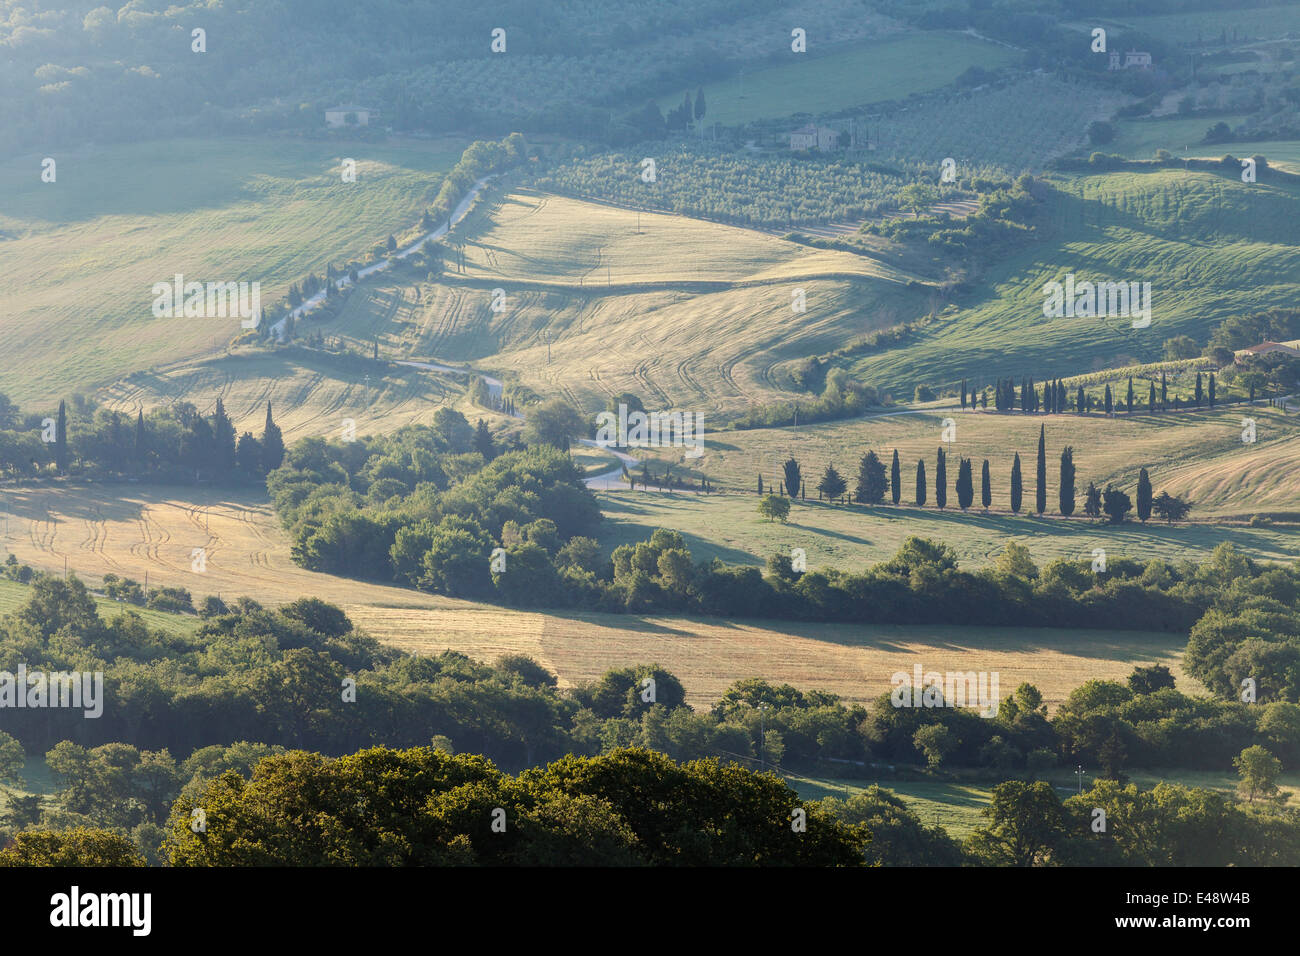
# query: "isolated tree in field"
[[986, 489], [1144, 496], [1211, 396], [872, 484], [965, 484], [832, 484], [1151, 398], [1116, 504], [920, 484], [1110, 402], [963, 394], [1128, 401], [941, 482], [793, 477], [760, 484], [895, 479], [391, 243], [272, 443], [1170, 508], [1258, 770], [1164, 391], [1017, 485], [1080, 402], [774, 506], [61, 439], [1066, 496], [1040, 473], [1092, 502]]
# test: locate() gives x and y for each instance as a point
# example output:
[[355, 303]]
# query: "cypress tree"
[[920, 484], [1017, 485], [1110, 402], [1129, 400], [986, 488], [1164, 391], [1199, 393], [140, 450], [1144, 496], [1067, 481], [1079, 401], [61, 439], [965, 484], [1040, 492], [272, 443], [1151, 398], [1211, 389], [941, 482], [760, 484], [963, 394], [895, 479]]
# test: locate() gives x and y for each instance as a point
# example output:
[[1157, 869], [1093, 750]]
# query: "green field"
[[80, 255], [872, 72], [1140, 138], [956, 806], [14, 595], [1192, 26], [1196, 454], [1210, 245], [852, 537]]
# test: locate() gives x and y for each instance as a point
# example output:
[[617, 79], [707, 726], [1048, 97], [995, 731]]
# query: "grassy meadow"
[[80, 255], [887, 69]]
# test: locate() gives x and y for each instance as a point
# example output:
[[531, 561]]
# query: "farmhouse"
[[338, 116], [1264, 348], [814, 137]]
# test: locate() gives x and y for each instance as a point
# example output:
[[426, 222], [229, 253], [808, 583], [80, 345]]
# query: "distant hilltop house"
[[814, 137], [1264, 348], [1133, 59], [338, 116]]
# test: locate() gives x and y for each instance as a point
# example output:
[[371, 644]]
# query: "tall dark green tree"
[[1110, 402], [1164, 391], [986, 486], [1211, 389], [895, 479], [832, 484], [272, 443], [1151, 398], [1017, 485], [1066, 495], [1040, 474], [223, 440], [1080, 403], [1200, 394], [1128, 402], [1092, 502], [941, 482], [872, 484], [141, 448], [483, 443], [965, 484], [793, 477], [61, 439], [920, 484], [1144, 496]]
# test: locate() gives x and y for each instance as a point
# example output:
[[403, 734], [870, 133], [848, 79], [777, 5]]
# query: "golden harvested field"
[[310, 393], [130, 530], [854, 661]]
